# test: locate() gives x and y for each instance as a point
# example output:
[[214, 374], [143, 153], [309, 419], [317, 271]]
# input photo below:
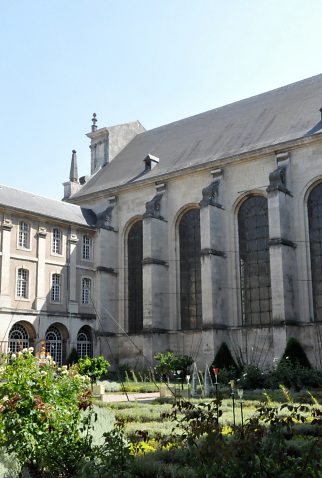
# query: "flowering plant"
[[41, 413]]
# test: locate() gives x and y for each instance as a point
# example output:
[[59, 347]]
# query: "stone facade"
[[252, 293]]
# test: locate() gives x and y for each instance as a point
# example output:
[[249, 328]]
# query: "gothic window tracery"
[[135, 277], [190, 270], [255, 279], [315, 236]]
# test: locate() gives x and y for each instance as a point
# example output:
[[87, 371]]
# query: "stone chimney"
[[106, 143]]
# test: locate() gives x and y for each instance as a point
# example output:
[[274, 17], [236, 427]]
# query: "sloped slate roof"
[[267, 119], [23, 201]]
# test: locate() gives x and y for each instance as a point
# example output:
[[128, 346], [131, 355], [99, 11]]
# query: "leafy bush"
[[41, 419], [94, 368], [170, 363]]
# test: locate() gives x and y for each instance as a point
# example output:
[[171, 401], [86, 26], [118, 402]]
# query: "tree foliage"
[[41, 414], [94, 368], [168, 363]]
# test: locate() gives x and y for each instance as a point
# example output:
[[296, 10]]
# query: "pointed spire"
[[73, 175], [94, 121]]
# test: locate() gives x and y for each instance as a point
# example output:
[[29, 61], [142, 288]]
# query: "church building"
[[203, 231]]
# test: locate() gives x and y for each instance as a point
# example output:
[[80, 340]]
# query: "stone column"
[[41, 265], [213, 264], [5, 292], [72, 285], [106, 261], [155, 270], [282, 253]]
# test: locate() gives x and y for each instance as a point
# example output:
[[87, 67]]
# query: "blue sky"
[[155, 61]]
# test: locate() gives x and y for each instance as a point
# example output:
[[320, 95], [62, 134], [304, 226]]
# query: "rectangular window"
[[22, 283], [87, 248], [23, 235], [56, 288], [86, 291], [57, 241]]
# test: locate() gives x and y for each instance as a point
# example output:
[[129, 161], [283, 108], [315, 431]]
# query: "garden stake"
[[232, 384], [233, 397], [242, 417], [216, 371]]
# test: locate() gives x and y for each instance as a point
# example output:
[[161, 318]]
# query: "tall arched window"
[[54, 344], [135, 277], [190, 270], [255, 278], [18, 338], [315, 234], [84, 343]]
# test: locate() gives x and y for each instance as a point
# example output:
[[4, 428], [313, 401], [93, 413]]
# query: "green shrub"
[[41, 419], [94, 368]]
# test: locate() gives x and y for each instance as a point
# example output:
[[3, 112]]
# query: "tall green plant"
[[94, 368], [41, 414]]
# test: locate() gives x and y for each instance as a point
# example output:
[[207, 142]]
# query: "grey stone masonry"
[[213, 262]]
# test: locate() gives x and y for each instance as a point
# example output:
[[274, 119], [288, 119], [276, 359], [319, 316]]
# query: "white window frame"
[[87, 248], [56, 289], [84, 344], [22, 284], [86, 292], [23, 236], [57, 242]]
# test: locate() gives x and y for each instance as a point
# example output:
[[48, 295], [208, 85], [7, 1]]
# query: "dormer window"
[[150, 162]]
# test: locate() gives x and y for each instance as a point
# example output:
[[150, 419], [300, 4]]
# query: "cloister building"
[[202, 231]]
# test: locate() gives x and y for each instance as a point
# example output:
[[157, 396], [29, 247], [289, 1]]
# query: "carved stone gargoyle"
[[210, 194], [104, 218], [153, 207], [277, 180]]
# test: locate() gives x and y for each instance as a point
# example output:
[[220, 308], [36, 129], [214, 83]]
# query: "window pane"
[[22, 283], [255, 281], [18, 338], [56, 288], [86, 290], [315, 233], [135, 277], [54, 344], [23, 234], [87, 247], [190, 270], [57, 241]]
